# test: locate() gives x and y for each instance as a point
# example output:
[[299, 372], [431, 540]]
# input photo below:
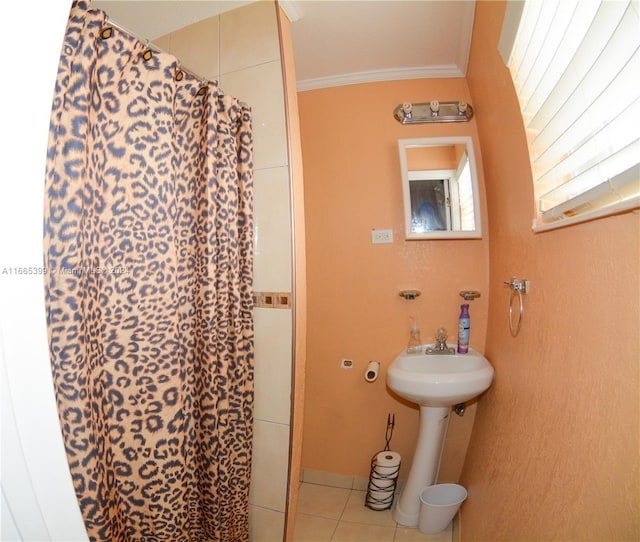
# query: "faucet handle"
[[441, 344]]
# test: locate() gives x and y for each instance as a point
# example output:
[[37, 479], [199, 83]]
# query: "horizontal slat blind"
[[576, 69], [465, 191]]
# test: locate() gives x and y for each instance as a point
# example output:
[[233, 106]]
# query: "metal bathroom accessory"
[[469, 295], [440, 346], [383, 477], [410, 295], [518, 289], [434, 111]]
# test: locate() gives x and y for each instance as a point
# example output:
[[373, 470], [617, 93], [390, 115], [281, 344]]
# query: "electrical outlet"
[[346, 363], [381, 236]]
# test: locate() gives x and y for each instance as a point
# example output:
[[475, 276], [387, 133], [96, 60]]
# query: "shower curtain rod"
[[110, 22]]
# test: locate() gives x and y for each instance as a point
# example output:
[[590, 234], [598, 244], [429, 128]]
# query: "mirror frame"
[[403, 145]]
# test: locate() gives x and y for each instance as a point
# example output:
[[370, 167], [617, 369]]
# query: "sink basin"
[[439, 379]]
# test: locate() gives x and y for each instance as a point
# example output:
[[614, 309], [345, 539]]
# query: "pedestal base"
[[426, 463]]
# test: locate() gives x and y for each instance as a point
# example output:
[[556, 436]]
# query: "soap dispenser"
[[415, 345]]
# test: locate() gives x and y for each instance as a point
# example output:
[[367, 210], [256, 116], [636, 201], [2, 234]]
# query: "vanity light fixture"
[[434, 111]]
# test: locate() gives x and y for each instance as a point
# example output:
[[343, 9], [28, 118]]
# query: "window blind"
[[576, 69], [465, 192]]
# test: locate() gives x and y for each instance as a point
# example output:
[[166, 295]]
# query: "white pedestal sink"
[[436, 382]]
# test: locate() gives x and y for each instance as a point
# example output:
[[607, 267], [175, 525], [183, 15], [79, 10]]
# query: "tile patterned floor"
[[331, 514]]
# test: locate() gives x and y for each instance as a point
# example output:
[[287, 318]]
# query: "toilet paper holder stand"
[[383, 479]]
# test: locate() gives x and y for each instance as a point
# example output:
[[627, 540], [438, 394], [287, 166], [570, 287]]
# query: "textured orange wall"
[[554, 452], [431, 158], [352, 185]]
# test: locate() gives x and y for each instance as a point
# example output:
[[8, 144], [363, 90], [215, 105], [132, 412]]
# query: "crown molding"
[[394, 74]]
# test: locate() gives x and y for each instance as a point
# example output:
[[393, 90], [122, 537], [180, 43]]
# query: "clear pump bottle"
[[414, 345]]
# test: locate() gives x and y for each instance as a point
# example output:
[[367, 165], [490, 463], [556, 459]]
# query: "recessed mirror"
[[440, 188]]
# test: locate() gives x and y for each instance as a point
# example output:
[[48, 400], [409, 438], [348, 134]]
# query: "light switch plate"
[[381, 236]]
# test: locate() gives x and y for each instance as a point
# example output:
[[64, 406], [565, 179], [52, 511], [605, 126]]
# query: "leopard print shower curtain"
[[148, 232]]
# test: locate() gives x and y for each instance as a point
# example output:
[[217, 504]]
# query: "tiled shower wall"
[[241, 50]]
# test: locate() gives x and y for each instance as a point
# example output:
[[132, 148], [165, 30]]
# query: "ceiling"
[[337, 42]]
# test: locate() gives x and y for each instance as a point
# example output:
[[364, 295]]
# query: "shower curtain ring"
[[203, 88], [148, 53]]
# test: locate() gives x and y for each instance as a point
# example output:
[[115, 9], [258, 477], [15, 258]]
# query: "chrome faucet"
[[441, 344], [441, 339]]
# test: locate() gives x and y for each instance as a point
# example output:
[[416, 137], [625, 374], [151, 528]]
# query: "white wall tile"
[[270, 465], [272, 239], [273, 365], [249, 36], [196, 47], [261, 87], [265, 525]]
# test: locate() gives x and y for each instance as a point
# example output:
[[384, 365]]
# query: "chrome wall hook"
[[517, 284]]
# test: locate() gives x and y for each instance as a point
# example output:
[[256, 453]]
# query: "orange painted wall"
[[554, 452], [431, 158], [352, 185]]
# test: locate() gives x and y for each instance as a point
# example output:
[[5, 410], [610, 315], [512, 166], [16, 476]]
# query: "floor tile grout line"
[[335, 529], [341, 518]]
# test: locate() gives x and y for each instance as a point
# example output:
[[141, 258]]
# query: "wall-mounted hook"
[[517, 284]]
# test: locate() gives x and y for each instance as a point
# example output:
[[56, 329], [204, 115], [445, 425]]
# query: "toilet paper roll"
[[381, 484], [380, 496], [387, 463], [379, 500], [371, 374]]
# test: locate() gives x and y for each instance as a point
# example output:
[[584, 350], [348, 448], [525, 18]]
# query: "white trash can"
[[438, 506]]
